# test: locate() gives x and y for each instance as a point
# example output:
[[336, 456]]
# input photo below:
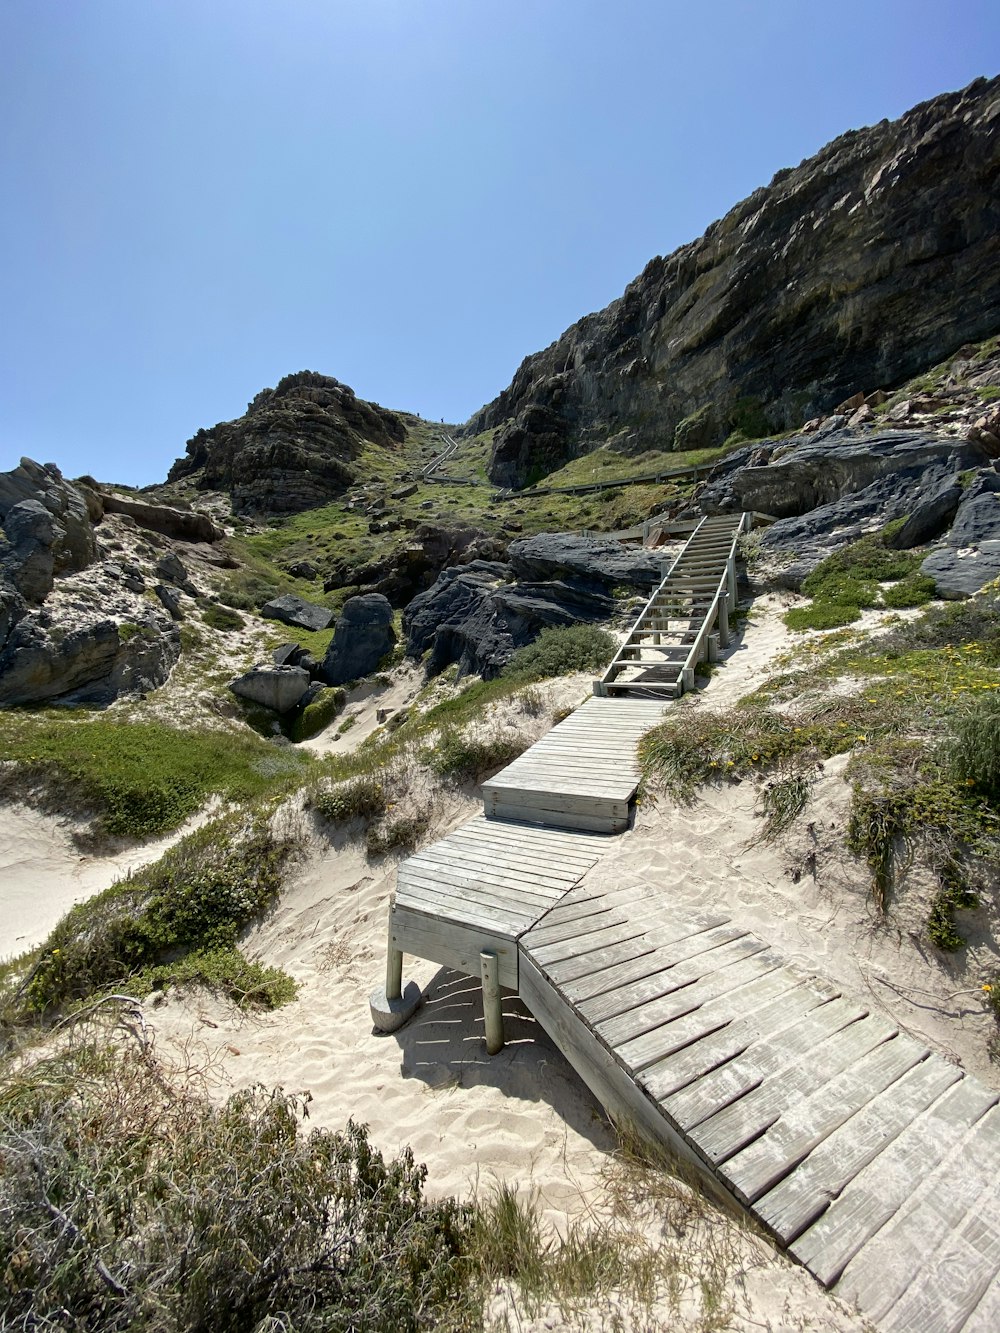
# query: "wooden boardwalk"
[[872, 1160]]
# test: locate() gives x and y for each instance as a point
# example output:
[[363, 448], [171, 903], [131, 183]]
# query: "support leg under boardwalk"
[[393, 1005], [492, 1012]]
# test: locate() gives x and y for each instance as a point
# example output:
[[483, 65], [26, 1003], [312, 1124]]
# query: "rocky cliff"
[[875, 258], [293, 447]]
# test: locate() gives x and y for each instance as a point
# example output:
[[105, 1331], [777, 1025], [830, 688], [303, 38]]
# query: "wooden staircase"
[[686, 620]]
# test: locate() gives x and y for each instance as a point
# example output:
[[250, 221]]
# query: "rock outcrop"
[[47, 528], [178, 524], [405, 571], [479, 614], [293, 448], [364, 633], [292, 610], [865, 264]]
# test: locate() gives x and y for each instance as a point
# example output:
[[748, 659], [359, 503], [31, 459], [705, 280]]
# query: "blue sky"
[[200, 196]]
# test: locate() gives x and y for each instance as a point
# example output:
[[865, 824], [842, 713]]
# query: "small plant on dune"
[[195, 901], [401, 834], [974, 751], [783, 799], [318, 714], [462, 757], [363, 797], [849, 580], [217, 616]]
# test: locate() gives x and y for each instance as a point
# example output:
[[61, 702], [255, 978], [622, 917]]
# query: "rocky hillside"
[[875, 258], [293, 447]]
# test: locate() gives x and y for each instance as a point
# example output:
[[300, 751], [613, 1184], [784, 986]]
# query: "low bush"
[[782, 800], [822, 615], [225, 971], [463, 758], [561, 651], [217, 616], [126, 1204], [848, 581], [362, 797], [401, 834], [317, 715], [916, 590], [195, 900], [974, 748]]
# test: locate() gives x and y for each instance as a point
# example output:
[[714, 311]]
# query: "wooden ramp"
[[582, 774], [874, 1161]]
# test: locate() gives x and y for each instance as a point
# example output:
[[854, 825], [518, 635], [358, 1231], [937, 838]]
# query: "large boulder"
[[575, 555], [475, 616], [962, 573], [28, 559], [364, 633], [180, 524], [279, 688], [292, 610]]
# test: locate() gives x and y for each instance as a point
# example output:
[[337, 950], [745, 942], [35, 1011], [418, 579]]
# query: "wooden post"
[[492, 1012], [713, 647], [393, 973], [724, 620], [731, 579]]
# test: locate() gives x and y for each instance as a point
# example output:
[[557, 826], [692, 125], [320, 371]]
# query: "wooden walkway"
[[872, 1160]]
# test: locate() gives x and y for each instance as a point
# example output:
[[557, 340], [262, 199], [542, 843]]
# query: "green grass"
[[222, 618], [137, 779], [463, 758]]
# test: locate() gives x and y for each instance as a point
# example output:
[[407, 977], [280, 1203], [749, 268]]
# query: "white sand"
[[43, 873]]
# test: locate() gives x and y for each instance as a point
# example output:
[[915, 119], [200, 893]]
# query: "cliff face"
[[292, 448], [868, 262]]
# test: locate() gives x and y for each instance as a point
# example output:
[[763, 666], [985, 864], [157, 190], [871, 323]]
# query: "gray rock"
[[363, 635], [475, 617], [304, 569], [931, 514], [180, 524], [962, 573], [560, 555], [171, 600], [978, 517], [94, 663], [73, 544], [12, 609], [29, 559], [292, 610], [279, 687], [171, 568]]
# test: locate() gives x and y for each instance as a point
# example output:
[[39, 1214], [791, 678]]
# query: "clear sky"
[[200, 196]]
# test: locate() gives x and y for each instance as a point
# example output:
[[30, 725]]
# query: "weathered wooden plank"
[[729, 1130], [985, 1318], [575, 803], [513, 830], [499, 809], [451, 907], [497, 869], [609, 1083], [803, 1194], [882, 1188], [652, 1046], [570, 909], [550, 864], [450, 944], [921, 1240], [623, 1029], [550, 931], [624, 924], [700, 939], [569, 972], [492, 889], [755, 1061], [804, 1124], [671, 977]]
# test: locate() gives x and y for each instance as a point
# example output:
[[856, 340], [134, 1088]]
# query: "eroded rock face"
[[47, 528], [868, 262], [402, 573], [178, 524], [573, 555], [292, 449], [363, 635]]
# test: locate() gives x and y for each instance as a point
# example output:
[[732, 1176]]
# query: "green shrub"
[[225, 971], [196, 899], [916, 590], [317, 715], [140, 1206], [347, 724], [821, 615], [396, 835], [783, 800], [974, 750], [362, 798], [216, 616], [561, 651], [464, 758]]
